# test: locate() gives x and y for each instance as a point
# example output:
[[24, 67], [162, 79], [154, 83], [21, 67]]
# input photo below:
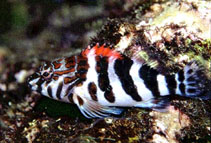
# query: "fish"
[[101, 81]]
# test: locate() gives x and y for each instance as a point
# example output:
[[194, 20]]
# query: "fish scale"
[[101, 80]]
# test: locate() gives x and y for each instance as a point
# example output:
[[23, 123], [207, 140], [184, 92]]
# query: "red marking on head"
[[70, 65], [64, 72], [103, 51], [70, 62], [57, 65]]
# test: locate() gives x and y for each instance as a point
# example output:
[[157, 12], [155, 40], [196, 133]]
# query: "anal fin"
[[158, 104], [92, 109]]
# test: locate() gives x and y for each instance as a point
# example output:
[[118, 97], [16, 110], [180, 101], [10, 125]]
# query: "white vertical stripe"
[[121, 97], [44, 89], [178, 82], [162, 85], [143, 91]]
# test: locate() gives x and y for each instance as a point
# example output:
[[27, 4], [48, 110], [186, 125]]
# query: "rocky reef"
[[164, 34]]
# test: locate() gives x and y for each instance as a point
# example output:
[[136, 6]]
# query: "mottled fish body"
[[100, 79]]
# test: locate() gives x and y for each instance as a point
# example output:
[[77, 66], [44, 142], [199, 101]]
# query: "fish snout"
[[32, 81]]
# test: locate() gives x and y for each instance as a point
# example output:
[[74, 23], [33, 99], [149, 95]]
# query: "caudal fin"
[[192, 81]]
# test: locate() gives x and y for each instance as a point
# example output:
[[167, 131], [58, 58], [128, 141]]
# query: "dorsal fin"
[[102, 51]]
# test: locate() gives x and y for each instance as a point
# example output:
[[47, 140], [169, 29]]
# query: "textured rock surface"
[[164, 34]]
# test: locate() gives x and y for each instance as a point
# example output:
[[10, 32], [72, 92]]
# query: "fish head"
[[55, 80], [43, 75]]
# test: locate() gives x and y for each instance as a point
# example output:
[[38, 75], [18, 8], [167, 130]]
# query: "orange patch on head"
[[57, 65], [65, 71]]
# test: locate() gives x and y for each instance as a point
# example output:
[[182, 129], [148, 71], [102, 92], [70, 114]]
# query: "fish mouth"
[[33, 82]]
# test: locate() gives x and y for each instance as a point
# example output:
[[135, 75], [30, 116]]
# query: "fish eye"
[[45, 74]]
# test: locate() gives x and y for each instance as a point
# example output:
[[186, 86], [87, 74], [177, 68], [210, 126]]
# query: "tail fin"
[[192, 82]]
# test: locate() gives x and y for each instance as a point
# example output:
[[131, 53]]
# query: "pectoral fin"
[[92, 109]]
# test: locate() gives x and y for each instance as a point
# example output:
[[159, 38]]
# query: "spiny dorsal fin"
[[102, 51]]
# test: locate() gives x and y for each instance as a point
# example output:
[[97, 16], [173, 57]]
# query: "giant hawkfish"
[[101, 81]]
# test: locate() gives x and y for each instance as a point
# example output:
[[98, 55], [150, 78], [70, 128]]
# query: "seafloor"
[[164, 34]]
